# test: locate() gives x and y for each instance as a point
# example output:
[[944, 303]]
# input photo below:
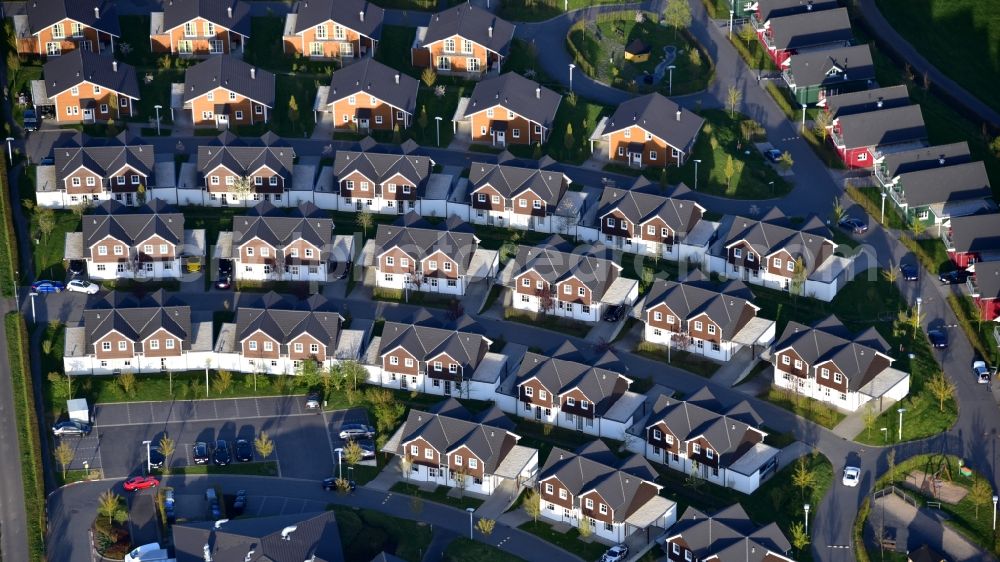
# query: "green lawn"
[[691, 362], [544, 436], [394, 48], [753, 52], [439, 495], [436, 106], [303, 88], [960, 37], [266, 50], [569, 541], [548, 322], [980, 333], [523, 59], [416, 5], [540, 10], [812, 410], [134, 47], [365, 533], [50, 248], [265, 468], [467, 550], [870, 199], [156, 92]]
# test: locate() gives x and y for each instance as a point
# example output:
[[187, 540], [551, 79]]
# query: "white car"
[[82, 286], [616, 553], [851, 476], [981, 371]]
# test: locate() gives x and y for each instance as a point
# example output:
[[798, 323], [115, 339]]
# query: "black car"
[[773, 154], [156, 458], [330, 484], [221, 455], [908, 271], [77, 267], [244, 450], [225, 279], [857, 226], [938, 338], [200, 453], [340, 269], [614, 313], [954, 277], [30, 120], [240, 502]]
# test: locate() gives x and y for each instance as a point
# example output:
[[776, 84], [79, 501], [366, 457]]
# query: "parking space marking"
[[197, 419]]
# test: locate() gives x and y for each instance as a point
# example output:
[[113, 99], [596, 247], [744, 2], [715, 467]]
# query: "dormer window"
[[321, 31]]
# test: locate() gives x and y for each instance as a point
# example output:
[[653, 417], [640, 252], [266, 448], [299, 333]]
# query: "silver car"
[[356, 431]]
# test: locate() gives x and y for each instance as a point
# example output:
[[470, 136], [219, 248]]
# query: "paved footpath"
[[916, 527]]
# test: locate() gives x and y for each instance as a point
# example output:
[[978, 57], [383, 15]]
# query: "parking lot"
[[303, 446]]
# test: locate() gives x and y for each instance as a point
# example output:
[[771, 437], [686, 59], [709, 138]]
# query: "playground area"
[[937, 487]]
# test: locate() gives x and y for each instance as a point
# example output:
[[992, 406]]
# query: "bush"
[[8, 250]]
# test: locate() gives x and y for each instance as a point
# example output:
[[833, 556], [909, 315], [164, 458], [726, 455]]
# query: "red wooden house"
[[860, 138], [784, 36], [972, 239], [984, 287]]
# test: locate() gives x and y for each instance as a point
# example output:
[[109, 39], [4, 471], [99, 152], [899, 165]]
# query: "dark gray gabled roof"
[[372, 78], [360, 15], [511, 181], [945, 184], [882, 127], [446, 433], [728, 305], [641, 205], [104, 159], [137, 318], [924, 158], [768, 9], [660, 116], [832, 67], [132, 225], [976, 233], [278, 229], [231, 73], [422, 239], [310, 536], [830, 340], [230, 14], [811, 29], [774, 231], [516, 93], [380, 167], [988, 279], [560, 376], [99, 14], [554, 260], [78, 66], [425, 343], [284, 320], [472, 23], [729, 534], [925, 554], [866, 100], [245, 156]]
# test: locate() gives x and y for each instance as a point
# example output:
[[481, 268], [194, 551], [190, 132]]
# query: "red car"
[[140, 483]]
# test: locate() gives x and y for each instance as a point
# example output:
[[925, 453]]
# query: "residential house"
[[838, 105], [812, 76], [200, 28], [326, 29], [300, 536], [123, 332], [234, 170], [91, 170], [810, 30], [85, 87], [369, 96], [890, 165], [380, 182], [829, 363], [465, 40], [728, 535], [516, 197], [448, 445], [972, 239], [507, 109], [705, 318], [414, 255], [618, 497], [925, 554], [862, 138], [54, 27], [939, 192], [984, 288], [565, 390], [144, 242], [775, 252], [552, 278], [224, 91], [429, 359], [699, 436], [762, 11], [650, 130], [268, 245], [644, 221]]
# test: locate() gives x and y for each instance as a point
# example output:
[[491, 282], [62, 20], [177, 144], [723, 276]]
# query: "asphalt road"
[[13, 530]]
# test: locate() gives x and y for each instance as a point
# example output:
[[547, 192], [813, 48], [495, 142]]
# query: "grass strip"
[[8, 250]]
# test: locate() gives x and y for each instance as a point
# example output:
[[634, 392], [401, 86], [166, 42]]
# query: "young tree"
[[486, 526], [837, 212], [532, 504], [353, 453], [243, 189], [460, 475], [109, 504], [941, 388], [733, 98], [870, 417], [293, 111], [785, 161], [891, 274], [365, 220], [264, 445], [46, 221], [584, 528], [405, 465], [820, 124], [677, 15], [747, 34], [799, 276], [310, 371], [890, 461], [803, 477], [140, 194], [423, 120], [126, 381], [167, 448], [980, 494], [64, 456], [568, 141], [800, 539], [223, 381], [428, 76], [352, 373], [397, 134]]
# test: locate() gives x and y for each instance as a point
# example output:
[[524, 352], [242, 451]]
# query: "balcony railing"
[[755, 22], [947, 237], [836, 137], [996, 334], [787, 76], [972, 286]]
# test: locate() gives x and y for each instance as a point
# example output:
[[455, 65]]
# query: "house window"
[[562, 494], [590, 503], [447, 266], [863, 157], [147, 249], [675, 548], [737, 253], [657, 434], [584, 404], [452, 368], [154, 344], [670, 319], [695, 448], [314, 348], [438, 365], [102, 250], [570, 401], [170, 343], [394, 360], [404, 262], [104, 106], [122, 346], [710, 453], [536, 204], [428, 453], [526, 282], [351, 100], [268, 346], [628, 133], [776, 262], [91, 181], [516, 133], [543, 395], [548, 488], [581, 291], [449, 45], [652, 155], [791, 265], [258, 109], [603, 508], [651, 230], [458, 460], [711, 329], [750, 256], [798, 364], [106, 346], [298, 348], [825, 373], [838, 378], [338, 32], [529, 391], [432, 264], [785, 360], [265, 252], [670, 439], [58, 32], [538, 129], [522, 203], [697, 325], [119, 251]]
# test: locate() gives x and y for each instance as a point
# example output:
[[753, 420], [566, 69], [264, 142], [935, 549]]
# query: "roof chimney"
[[538, 93], [809, 6], [229, 11], [678, 115], [941, 159], [397, 78], [878, 104], [489, 30], [97, 12], [286, 533], [361, 14], [253, 73], [114, 66]]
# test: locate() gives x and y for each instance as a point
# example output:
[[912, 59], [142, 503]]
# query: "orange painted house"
[[464, 40], [508, 109], [651, 130], [55, 27], [224, 91], [328, 29], [370, 96], [86, 87], [200, 28]]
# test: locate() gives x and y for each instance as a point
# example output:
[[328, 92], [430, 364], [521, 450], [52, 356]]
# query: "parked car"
[[938, 338], [156, 457], [313, 401], [981, 371], [851, 476], [356, 430], [244, 450], [614, 313], [71, 427], [140, 483], [240, 502], [773, 154], [214, 511], [82, 286], [857, 226], [29, 120], [908, 271], [616, 553], [168, 505], [47, 287], [330, 484], [224, 282], [367, 448], [340, 269], [954, 277], [200, 453], [77, 267], [225, 267], [221, 455]]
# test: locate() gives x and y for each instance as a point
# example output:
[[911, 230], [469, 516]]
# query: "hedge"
[[8, 241]]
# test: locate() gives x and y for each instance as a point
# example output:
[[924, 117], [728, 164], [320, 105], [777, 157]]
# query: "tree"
[[568, 141], [460, 475], [532, 504], [748, 129], [429, 77], [891, 274], [747, 34], [733, 98], [352, 372], [890, 461], [293, 110], [423, 120], [729, 171], [167, 448], [243, 189], [46, 221], [870, 417], [64, 456], [913, 320], [223, 380], [803, 477], [405, 465], [917, 227], [397, 134], [486, 526], [310, 371], [838, 211], [13, 61], [677, 15], [820, 124], [109, 504], [353, 453], [800, 539], [365, 220], [264, 445], [941, 388], [785, 161], [126, 381], [980, 494], [584, 528], [799, 276], [343, 485]]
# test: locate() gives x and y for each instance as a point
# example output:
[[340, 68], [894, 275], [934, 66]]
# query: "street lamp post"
[[571, 67], [470, 510], [995, 499], [437, 120], [731, 13], [350, 473], [10, 150], [696, 162], [771, 187], [86, 467], [157, 107], [920, 301], [885, 434], [340, 469], [806, 506], [148, 467], [901, 410], [882, 218], [670, 90], [803, 117]]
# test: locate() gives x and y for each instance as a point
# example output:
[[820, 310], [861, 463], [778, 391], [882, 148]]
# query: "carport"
[[757, 334]]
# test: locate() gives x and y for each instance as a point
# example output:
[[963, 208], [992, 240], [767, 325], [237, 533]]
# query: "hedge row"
[[8, 241]]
